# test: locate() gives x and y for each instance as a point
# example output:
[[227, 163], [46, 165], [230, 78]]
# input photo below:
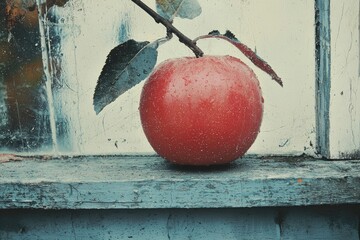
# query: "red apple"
[[201, 111]]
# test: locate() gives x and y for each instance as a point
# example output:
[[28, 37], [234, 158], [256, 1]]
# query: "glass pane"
[[24, 121], [77, 36]]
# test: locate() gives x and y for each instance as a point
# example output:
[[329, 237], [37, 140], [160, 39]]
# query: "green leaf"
[[170, 9], [126, 65]]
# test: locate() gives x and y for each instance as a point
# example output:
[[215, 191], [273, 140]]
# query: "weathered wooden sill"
[[137, 182]]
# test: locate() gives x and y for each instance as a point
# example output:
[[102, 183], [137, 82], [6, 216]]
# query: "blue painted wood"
[[122, 182], [331, 222], [323, 76]]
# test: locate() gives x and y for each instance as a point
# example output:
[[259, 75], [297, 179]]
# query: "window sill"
[[137, 182]]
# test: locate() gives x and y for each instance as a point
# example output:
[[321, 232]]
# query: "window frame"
[[328, 28], [107, 182], [149, 182]]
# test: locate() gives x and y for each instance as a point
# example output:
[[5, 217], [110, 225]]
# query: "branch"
[[170, 28]]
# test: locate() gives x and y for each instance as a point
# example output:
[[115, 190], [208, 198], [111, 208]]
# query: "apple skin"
[[201, 111]]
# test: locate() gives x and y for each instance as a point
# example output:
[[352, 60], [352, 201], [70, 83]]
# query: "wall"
[[281, 31]]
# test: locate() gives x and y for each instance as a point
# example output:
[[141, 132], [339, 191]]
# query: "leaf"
[[170, 9], [126, 65], [254, 58]]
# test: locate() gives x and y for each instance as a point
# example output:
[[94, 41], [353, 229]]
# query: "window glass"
[[24, 112], [47, 103]]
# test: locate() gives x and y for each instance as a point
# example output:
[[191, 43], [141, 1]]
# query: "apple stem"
[[170, 28]]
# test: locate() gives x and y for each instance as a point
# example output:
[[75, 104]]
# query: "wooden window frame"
[[336, 120], [143, 182]]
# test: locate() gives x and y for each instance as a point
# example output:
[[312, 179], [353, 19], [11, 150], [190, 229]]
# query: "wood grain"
[[327, 223], [137, 182]]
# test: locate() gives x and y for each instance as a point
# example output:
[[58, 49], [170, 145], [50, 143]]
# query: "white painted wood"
[[345, 80], [281, 31]]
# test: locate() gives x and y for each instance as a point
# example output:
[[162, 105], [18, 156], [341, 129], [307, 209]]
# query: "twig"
[[4, 158], [170, 28]]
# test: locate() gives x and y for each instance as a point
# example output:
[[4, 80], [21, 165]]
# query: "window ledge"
[[123, 182]]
